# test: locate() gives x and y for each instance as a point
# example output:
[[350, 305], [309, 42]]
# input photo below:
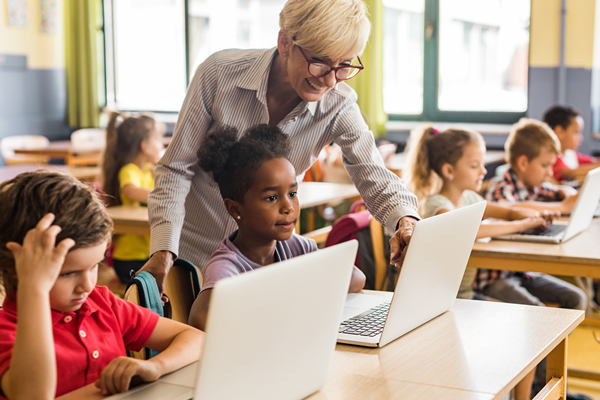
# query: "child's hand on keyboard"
[[534, 225]]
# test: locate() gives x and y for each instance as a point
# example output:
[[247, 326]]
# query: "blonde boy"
[[531, 151]]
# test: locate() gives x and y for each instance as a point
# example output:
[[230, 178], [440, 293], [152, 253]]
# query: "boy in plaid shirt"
[[531, 150]]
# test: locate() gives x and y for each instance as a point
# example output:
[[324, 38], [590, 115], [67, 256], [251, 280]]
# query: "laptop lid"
[[431, 273], [585, 207], [271, 333]]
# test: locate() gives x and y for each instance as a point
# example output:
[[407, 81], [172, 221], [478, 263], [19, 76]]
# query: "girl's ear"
[[448, 172], [560, 132], [234, 208], [144, 146]]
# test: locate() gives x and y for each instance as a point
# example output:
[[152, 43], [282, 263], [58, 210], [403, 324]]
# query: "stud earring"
[[451, 178], [238, 217], [284, 54]]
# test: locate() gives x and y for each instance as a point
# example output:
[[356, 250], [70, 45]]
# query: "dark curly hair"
[[25, 199], [233, 162], [560, 115]]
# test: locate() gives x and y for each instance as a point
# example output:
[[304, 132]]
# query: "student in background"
[[567, 124], [446, 169], [133, 148], [258, 185], [531, 151], [58, 331]]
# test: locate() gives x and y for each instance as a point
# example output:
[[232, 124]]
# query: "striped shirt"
[[187, 215]]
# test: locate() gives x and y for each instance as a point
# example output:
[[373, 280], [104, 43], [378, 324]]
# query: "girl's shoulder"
[[435, 203], [470, 197], [299, 245]]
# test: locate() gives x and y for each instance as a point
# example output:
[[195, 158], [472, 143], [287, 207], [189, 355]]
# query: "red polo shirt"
[[87, 340]]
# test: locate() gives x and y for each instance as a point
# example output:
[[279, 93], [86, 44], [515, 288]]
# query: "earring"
[[451, 178], [284, 54], [238, 217]]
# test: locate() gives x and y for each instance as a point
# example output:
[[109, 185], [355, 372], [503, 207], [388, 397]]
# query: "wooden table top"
[[83, 173], [478, 350], [60, 148], [579, 256]]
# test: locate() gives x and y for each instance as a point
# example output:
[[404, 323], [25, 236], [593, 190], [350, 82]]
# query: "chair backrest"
[[89, 138], [10, 143], [182, 286]]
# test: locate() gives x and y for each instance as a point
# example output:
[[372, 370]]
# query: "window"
[[154, 46], [444, 58]]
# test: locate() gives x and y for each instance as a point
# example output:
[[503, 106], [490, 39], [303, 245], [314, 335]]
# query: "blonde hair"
[[331, 28], [527, 138], [428, 150]]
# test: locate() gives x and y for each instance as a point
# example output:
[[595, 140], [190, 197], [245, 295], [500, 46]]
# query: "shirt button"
[[96, 354], [82, 333], [68, 318]]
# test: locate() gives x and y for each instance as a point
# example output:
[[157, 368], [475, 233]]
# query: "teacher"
[[297, 86]]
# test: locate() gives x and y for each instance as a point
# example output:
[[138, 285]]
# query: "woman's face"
[[308, 87]]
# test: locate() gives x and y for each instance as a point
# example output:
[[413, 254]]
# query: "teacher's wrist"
[[416, 219]]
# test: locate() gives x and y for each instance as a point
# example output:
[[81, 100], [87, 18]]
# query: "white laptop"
[[271, 333], [580, 219], [427, 286]]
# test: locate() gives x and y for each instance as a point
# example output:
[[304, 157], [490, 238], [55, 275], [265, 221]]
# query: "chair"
[[182, 286], [10, 143], [89, 138]]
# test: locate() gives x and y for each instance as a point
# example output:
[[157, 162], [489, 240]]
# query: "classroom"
[[421, 177]]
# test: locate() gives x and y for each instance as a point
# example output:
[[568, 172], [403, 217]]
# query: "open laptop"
[[429, 280], [580, 219], [271, 333]]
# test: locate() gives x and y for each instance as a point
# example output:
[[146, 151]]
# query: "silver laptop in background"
[[427, 286], [271, 333], [579, 220]]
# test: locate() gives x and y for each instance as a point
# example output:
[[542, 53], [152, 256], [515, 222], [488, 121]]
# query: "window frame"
[[431, 111]]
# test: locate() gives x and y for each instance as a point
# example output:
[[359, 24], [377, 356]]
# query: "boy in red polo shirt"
[[567, 124], [70, 333]]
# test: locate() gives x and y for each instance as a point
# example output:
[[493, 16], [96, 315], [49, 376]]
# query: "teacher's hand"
[[159, 265], [399, 242]]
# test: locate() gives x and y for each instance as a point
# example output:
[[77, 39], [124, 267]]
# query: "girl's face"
[[571, 138], [469, 171], [271, 207], [77, 278], [154, 147]]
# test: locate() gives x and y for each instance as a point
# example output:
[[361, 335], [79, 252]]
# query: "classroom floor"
[[584, 354]]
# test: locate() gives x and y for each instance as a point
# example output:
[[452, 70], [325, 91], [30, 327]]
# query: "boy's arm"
[[179, 345], [38, 263], [199, 310], [580, 172]]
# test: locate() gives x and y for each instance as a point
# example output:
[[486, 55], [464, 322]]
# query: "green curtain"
[[369, 82], [81, 63]]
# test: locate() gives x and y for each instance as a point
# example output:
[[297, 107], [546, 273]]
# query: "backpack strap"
[[149, 298]]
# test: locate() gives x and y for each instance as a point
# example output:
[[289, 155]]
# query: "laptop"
[[271, 333], [427, 286], [579, 220]]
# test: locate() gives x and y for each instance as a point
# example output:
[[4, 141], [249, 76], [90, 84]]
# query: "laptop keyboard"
[[369, 323], [552, 230]]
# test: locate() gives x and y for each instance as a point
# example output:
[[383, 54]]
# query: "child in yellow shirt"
[[133, 148]]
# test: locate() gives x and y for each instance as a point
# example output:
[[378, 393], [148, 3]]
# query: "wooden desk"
[[579, 256], [397, 161], [478, 350], [134, 220], [65, 150], [82, 173]]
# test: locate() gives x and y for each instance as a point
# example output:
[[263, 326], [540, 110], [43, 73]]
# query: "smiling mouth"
[[313, 85], [292, 223]]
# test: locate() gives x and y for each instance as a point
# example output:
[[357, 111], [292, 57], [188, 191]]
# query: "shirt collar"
[[256, 78], [519, 184], [86, 309]]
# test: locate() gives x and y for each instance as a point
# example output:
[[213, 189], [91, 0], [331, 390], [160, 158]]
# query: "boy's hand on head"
[[399, 242], [116, 377], [38, 260]]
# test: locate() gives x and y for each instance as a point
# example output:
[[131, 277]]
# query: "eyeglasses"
[[319, 69]]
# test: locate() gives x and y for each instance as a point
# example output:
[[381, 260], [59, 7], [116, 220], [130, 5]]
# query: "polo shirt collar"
[[86, 309], [257, 79]]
